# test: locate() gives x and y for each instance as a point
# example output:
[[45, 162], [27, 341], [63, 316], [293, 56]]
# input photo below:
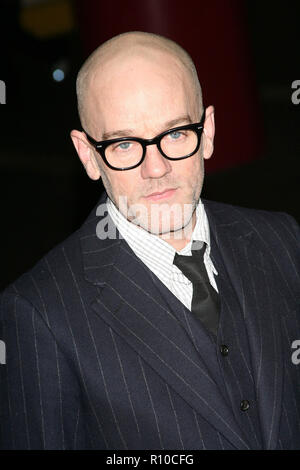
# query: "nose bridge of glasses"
[[154, 163], [149, 142], [153, 141]]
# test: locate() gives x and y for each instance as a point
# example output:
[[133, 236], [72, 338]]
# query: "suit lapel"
[[130, 303], [253, 277]]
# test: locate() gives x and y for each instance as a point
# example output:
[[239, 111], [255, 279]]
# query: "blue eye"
[[124, 145], [175, 135]]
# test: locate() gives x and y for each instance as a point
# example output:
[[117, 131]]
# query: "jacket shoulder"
[[258, 219], [59, 268], [275, 235]]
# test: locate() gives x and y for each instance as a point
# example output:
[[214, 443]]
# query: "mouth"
[[167, 193]]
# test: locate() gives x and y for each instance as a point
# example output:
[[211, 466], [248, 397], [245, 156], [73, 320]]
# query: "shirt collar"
[[155, 252]]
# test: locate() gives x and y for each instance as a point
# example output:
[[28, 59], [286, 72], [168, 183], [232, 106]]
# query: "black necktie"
[[205, 301]]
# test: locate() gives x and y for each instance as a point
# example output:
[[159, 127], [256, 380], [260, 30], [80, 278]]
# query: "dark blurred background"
[[247, 56]]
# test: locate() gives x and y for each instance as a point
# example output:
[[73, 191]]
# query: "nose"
[[154, 164]]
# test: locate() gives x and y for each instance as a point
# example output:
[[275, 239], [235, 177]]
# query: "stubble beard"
[[169, 221]]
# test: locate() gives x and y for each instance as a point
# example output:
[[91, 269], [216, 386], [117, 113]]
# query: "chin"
[[177, 228]]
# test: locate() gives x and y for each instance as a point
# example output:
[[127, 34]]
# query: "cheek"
[[122, 184], [191, 173]]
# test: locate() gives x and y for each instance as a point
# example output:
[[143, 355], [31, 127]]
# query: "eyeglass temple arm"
[[89, 138]]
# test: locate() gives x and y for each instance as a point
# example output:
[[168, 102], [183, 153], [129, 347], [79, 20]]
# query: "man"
[[164, 322]]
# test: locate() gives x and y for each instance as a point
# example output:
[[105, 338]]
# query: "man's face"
[[142, 97]]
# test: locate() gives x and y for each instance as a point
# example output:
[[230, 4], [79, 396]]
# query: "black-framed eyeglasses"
[[126, 153]]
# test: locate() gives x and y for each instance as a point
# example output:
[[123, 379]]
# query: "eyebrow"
[[186, 119]]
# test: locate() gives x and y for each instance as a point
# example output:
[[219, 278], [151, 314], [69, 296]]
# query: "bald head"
[[126, 47]]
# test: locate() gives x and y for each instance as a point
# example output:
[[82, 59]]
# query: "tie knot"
[[193, 266]]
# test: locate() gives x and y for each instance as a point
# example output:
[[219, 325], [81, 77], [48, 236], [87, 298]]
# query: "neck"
[[179, 239]]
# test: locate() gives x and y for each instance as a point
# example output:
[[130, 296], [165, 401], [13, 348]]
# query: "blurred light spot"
[[58, 75]]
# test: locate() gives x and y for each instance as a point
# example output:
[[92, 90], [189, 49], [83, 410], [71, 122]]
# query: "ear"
[[209, 132], [86, 154]]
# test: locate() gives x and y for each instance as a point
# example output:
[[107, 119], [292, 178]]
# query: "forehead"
[[139, 90]]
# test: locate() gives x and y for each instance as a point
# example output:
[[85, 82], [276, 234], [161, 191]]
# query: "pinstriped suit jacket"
[[100, 355]]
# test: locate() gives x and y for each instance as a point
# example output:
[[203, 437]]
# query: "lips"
[[161, 195]]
